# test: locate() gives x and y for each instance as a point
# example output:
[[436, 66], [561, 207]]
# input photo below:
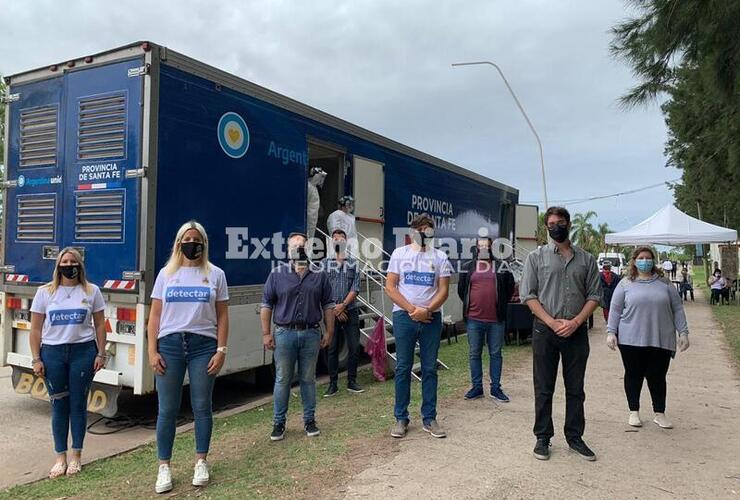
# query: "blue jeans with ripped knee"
[[69, 370]]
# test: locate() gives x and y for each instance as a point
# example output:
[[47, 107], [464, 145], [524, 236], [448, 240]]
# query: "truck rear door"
[[35, 197], [103, 123], [71, 140]]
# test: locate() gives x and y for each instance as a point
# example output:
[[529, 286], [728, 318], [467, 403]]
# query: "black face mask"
[[558, 233], [192, 250], [484, 253], [423, 237], [298, 254], [70, 272], [340, 246]]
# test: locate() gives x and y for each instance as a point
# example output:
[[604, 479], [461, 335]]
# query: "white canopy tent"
[[670, 226]]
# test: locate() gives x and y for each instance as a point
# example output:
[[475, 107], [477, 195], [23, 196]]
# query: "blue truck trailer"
[[112, 152]]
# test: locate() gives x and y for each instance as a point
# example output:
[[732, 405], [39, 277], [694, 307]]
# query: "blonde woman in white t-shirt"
[[68, 338], [188, 330]]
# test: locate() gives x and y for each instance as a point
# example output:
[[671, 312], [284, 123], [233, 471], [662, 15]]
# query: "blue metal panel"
[[104, 259], [33, 181], [263, 188]]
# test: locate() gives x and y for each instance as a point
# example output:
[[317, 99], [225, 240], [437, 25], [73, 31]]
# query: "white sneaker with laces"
[[164, 479], [662, 421], [634, 420], [200, 473]]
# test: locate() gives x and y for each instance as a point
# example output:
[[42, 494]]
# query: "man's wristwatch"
[[35, 360], [223, 349]]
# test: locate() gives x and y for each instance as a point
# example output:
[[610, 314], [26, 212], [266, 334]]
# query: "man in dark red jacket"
[[609, 282], [485, 291]]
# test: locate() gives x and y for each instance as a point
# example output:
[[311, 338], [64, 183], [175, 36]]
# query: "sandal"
[[59, 469], [74, 467]]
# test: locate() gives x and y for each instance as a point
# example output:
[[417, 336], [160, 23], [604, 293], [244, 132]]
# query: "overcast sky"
[[387, 68]]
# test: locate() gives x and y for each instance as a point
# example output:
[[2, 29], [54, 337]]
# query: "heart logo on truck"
[[233, 134]]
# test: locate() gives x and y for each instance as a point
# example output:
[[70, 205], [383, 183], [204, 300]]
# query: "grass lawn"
[[727, 316], [246, 464]]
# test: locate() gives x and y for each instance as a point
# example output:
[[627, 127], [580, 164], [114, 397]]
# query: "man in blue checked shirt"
[[344, 276]]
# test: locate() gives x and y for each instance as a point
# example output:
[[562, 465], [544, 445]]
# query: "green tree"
[[541, 233], [667, 34], [689, 53], [582, 231]]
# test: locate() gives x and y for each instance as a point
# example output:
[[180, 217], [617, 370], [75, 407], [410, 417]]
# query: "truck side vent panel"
[[36, 217], [39, 136], [102, 127], [99, 216]]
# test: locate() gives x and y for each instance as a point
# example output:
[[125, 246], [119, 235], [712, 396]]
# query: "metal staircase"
[[372, 309]]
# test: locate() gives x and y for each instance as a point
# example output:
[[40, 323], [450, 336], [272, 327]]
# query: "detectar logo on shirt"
[[188, 294], [67, 317], [418, 278]]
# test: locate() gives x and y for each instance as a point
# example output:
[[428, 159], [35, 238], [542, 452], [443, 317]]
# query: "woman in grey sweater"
[[646, 312]]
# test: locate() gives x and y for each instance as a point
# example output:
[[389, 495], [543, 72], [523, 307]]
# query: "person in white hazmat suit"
[[343, 219], [316, 178]]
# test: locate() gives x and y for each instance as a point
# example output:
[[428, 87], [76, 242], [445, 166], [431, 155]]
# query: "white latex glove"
[[683, 342], [611, 341]]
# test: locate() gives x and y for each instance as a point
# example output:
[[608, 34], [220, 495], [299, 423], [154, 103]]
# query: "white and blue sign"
[[233, 135], [67, 317], [418, 278], [187, 294]]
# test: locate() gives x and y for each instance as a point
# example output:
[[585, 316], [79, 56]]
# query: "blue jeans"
[[68, 370], [492, 334], [191, 352], [407, 333], [291, 346]]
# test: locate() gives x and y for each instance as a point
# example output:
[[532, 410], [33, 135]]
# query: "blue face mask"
[[644, 265]]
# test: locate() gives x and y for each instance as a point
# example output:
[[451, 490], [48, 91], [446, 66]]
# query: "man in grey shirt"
[[561, 286]]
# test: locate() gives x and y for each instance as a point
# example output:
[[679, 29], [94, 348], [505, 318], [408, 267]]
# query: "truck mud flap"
[[102, 399]]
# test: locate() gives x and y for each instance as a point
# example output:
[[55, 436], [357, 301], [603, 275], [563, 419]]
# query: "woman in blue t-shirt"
[[188, 330], [68, 337]]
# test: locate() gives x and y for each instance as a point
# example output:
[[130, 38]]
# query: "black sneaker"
[[331, 390], [578, 446], [354, 387], [278, 432], [311, 429], [542, 449]]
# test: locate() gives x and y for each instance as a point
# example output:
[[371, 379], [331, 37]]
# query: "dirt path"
[[489, 449]]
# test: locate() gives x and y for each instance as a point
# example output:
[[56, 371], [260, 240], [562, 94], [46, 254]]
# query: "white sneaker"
[[164, 479], [200, 474], [662, 421], [634, 420]]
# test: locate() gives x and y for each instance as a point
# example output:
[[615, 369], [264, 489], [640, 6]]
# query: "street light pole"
[[524, 114]]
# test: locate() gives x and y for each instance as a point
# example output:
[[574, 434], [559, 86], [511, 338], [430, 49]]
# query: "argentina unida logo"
[[233, 134]]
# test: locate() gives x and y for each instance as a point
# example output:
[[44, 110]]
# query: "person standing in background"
[[609, 282], [485, 293], [188, 331], [418, 284], [561, 286], [67, 342], [344, 276], [646, 314], [296, 296]]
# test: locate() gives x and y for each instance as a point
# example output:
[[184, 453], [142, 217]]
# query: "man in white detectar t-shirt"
[[418, 283]]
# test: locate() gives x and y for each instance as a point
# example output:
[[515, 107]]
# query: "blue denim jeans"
[[492, 334], [291, 346], [68, 370], [407, 333], [191, 352]]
